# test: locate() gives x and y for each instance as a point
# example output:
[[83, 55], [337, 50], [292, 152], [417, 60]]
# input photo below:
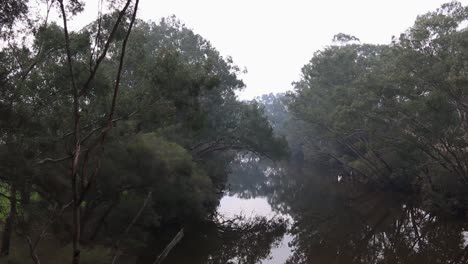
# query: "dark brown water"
[[326, 223]]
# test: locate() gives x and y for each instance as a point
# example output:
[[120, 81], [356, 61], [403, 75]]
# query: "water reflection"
[[231, 206], [382, 234], [342, 223], [245, 231], [330, 221], [336, 222]]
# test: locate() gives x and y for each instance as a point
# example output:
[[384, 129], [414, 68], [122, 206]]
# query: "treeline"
[[392, 117], [111, 134]]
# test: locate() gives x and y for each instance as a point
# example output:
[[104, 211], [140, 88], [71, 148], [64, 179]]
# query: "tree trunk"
[[10, 222]]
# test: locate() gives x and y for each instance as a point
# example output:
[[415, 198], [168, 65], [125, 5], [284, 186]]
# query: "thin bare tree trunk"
[[169, 247], [33, 244], [77, 145], [116, 247], [32, 251], [77, 193]]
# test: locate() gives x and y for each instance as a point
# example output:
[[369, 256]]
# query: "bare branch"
[[67, 45], [114, 102], [32, 251], [106, 48], [76, 150], [132, 223], [33, 245], [169, 247], [98, 34], [46, 21], [50, 160]]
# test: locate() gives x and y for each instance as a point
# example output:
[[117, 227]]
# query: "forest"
[[119, 140]]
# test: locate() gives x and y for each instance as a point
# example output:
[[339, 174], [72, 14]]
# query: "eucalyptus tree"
[[393, 115], [37, 93], [104, 134]]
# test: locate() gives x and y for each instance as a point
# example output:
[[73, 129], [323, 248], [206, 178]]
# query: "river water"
[[305, 220], [230, 206]]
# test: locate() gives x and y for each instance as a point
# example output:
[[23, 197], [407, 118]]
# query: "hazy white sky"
[[273, 39]]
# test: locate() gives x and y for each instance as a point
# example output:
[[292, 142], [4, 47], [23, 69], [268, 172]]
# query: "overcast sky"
[[273, 39]]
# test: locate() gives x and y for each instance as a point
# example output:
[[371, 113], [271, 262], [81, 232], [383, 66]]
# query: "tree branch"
[[114, 102], [106, 48], [116, 246], [76, 150]]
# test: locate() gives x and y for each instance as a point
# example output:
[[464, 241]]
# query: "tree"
[[143, 123], [10, 12], [393, 116]]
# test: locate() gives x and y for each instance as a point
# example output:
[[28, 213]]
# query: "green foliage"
[[11, 12], [149, 162], [53, 252], [393, 114], [175, 103]]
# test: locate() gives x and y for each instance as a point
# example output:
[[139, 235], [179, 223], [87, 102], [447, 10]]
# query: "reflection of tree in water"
[[248, 241], [251, 177], [344, 223], [240, 240], [247, 178], [339, 223]]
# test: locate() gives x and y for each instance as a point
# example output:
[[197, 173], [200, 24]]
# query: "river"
[[306, 220], [231, 206]]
